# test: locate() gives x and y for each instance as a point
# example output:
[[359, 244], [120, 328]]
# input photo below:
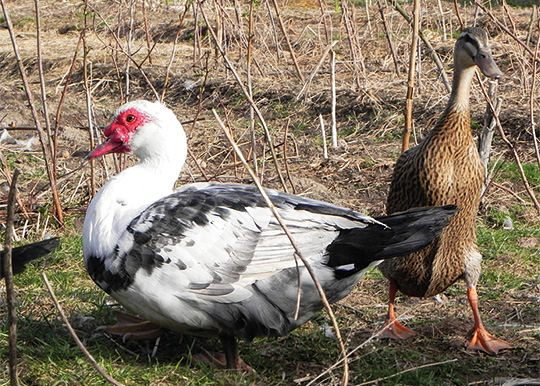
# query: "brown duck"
[[445, 169]]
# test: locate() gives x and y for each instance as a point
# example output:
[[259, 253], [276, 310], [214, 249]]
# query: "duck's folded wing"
[[218, 239]]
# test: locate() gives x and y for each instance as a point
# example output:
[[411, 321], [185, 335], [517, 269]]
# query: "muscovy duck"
[[209, 258], [24, 254], [445, 169]]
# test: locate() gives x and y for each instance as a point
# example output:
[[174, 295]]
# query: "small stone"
[[508, 225]]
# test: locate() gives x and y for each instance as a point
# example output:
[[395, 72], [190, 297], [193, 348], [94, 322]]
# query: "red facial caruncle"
[[119, 133]]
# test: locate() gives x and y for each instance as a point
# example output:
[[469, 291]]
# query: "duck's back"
[[444, 169]]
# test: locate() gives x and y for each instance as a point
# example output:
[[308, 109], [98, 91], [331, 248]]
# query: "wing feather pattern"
[[211, 258]]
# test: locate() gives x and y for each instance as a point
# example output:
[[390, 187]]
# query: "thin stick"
[[351, 34], [410, 80], [89, 356], [128, 49], [503, 27], [88, 99], [286, 163], [502, 187], [173, 54], [10, 290], [298, 253], [51, 173], [407, 371], [63, 96], [361, 345], [428, 45], [129, 56], [250, 89], [291, 49], [532, 98], [531, 23], [249, 98], [279, 55], [456, 8], [147, 32], [42, 80], [512, 148], [388, 36], [368, 16], [443, 22], [333, 89], [486, 137], [315, 70], [10, 180], [323, 134]]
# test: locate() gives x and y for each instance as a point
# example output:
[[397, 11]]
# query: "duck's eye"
[[130, 118]]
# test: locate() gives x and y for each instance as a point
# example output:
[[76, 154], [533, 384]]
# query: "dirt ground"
[[370, 101]]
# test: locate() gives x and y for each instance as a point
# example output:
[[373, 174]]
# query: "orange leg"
[[392, 328], [481, 339]]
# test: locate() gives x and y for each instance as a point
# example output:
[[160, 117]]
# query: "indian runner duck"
[[445, 168]]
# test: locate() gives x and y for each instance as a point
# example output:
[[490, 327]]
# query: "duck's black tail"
[[26, 253], [414, 229], [407, 232]]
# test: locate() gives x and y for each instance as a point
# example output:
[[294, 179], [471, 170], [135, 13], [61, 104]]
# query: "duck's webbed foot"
[[132, 327]]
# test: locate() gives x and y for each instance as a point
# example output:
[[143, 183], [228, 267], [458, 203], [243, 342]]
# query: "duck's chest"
[[452, 167]]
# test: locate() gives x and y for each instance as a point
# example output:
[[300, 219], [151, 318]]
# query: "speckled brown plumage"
[[445, 168]]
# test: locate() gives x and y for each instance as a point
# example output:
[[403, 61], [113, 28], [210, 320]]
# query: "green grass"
[[509, 171], [49, 356]]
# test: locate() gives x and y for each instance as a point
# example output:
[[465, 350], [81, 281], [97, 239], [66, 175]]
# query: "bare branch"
[[410, 80], [10, 290], [512, 148], [89, 356], [297, 250], [49, 164], [249, 98], [291, 49]]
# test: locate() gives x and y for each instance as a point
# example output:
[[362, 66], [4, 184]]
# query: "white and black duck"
[[210, 259]]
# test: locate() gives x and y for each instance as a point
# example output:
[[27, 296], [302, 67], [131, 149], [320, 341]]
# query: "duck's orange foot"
[[484, 341], [219, 360], [395, 330], [131, 327]]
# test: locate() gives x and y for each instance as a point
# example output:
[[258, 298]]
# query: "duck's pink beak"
[[116, 142]]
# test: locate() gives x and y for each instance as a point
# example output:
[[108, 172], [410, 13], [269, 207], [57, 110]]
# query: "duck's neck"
[[123, 197], [461, 87]]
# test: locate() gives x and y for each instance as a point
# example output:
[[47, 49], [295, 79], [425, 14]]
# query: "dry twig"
[[510, 33], [333, 92], [45, 145], [249, 98], [512, 148], [9, 179], [89, 356], [298, 252], [388, 36], [315, 70], [291, 49], [428, 45], [8, 275], [416, 368], [532, 97], [410, 80]]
